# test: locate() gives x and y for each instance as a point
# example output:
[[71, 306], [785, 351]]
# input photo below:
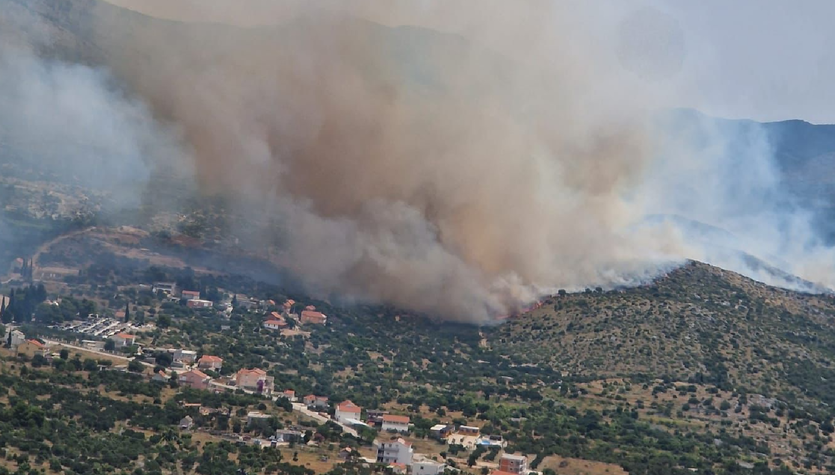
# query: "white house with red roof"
[[316, 402], [347, 412], [275, 322], [213, 363], [190, 295], [395, 423], [123, 339], [288, 394]]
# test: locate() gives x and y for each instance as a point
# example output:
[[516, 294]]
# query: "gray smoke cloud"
[[462, 166]]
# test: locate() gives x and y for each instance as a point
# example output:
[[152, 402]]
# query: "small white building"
[[347, 411], [123, 339], [14, 338], [428, 467], [186, 423], [198, 303], [185, 356], [288, 394], [393, 423], [394, 451]]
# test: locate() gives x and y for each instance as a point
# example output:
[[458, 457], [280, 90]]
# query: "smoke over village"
[[419, 156]]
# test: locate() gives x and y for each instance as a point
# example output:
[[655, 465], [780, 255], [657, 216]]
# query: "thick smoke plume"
[[411, 166], [461, 166]]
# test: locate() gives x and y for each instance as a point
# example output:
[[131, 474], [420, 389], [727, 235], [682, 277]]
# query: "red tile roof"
[[396, 419], [197, 373], [259, 372], [125, 336], [311, 315], [210, 359], [36, 343], [348, 406]]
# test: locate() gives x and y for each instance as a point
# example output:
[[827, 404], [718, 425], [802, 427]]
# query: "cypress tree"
[[127, 312]]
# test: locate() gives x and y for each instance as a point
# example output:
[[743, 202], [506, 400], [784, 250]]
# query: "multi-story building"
[[513, 463], [394, 451]]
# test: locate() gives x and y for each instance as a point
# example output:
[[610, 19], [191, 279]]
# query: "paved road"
[[96, 352], [298, 407]]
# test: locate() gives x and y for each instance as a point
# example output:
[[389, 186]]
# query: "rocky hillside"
[[698, 323]]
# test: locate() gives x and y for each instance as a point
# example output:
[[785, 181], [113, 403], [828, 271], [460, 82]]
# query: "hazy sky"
[[759, 59], [763, 59]]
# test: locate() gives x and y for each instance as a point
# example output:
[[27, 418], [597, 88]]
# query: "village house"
[[168, 288], [428, 467], [313, 317], [194, 379], [440, 431], [198, 304], [288, 394], [286, 435], [255, 380], [398, 468], [347, 453], [275, 324], [513, 463], [14, 338], [190, 295], [316, 402], [244, 302], [375, 416], [124, 339], [347, 412], [393, 423], [161, 377], [212, 363], [30, 348], [469, 430], [186, 423], [394, 451], [185, 357], [94, 345]]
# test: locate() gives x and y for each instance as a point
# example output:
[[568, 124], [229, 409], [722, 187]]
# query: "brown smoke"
[[458, 172]]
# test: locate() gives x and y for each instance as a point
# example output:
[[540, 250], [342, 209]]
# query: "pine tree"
[[127, 312]]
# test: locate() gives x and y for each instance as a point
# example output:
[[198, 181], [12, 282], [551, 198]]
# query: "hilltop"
[[698, 323]]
